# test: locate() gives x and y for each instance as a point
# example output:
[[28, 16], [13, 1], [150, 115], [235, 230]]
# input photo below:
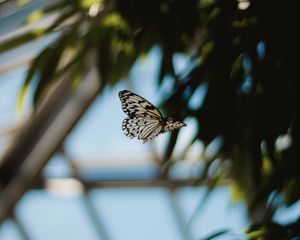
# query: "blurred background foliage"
[[245, 54]]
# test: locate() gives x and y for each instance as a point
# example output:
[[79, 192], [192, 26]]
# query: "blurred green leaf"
[[33, 69], [57, 6], [48, 70], [35, 16], [64, 16], [166, 66], [86, 4], [216, 234], [19, 40]]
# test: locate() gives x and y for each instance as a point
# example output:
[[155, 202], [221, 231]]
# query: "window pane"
[[137, 213], [48, 216]]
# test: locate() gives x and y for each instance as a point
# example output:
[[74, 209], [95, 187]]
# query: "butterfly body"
[[144, 120]]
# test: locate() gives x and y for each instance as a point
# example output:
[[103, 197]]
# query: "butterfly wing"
[[135, 105], [144, 128]]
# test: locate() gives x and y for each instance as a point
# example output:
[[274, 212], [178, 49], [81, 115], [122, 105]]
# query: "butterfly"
[[144, 120]]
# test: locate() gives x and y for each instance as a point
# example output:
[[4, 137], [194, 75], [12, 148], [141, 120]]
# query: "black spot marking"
[[150, 107]]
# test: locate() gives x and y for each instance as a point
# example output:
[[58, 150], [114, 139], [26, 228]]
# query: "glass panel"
[[57, 217], [216, 213], [57, 167], [136, 213], [9, 230]]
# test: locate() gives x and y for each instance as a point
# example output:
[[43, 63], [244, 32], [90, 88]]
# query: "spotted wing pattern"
[[134, 105], [172, 124], [142, 128], [144, 120]]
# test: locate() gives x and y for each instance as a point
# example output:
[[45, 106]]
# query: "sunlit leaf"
[[35, 16], [86, 4]]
